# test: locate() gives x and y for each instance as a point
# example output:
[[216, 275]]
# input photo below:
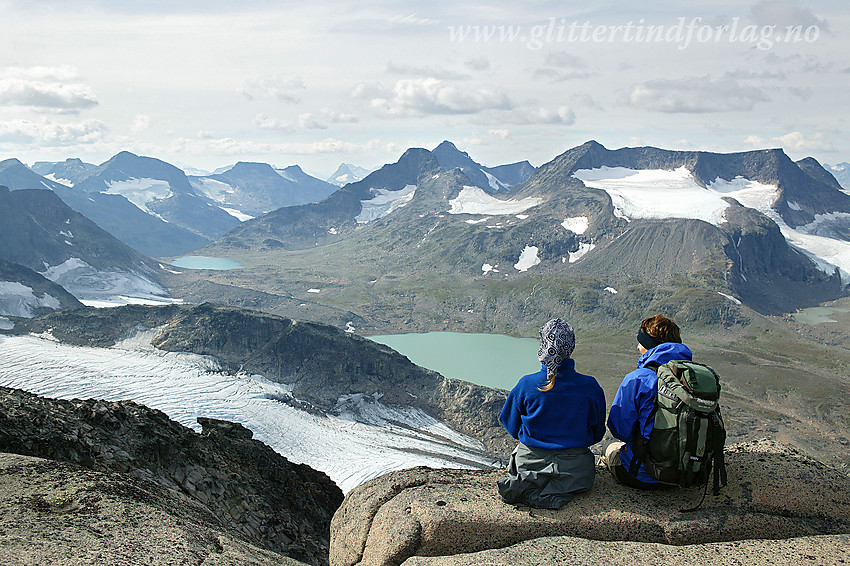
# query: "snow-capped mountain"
[[347, 173], [841, 172], [751, 227], [490, 179], [41, 233], [158, 189], [375, 413], [68, 172], [247, 190], [133, 224]]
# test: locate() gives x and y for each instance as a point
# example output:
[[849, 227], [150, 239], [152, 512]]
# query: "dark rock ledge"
[[235, 487]]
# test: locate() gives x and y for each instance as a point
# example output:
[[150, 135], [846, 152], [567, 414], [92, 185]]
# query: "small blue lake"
[[484, 359], [204, 262]]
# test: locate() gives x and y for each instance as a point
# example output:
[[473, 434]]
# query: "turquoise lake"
[[484, 359], [204, 262]]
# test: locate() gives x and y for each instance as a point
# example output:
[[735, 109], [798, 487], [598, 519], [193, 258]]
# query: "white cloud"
[[45, 88], [307, 122], [230, 146], [562, 115], [279, 87], [140, 123], [431, 95], [565, 60], [335, 117], [427, 71], [477, 64], [266, 122], [45, 133], [695, 95], [784, 13], [793, 141]]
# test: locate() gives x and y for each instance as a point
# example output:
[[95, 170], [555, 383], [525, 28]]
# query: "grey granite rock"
[[774, 493]]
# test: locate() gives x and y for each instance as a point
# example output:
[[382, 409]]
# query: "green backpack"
[[687, 440]]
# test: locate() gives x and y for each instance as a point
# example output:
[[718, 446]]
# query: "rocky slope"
[[61, 514], [238, 485], [42, 233], [776, 509]]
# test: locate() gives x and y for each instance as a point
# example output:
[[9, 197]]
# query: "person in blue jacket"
[[633, 409], [556, 414]]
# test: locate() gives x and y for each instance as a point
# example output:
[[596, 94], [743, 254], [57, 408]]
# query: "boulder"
[[774, 494]]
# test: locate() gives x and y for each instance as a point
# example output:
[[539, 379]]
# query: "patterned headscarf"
[[557, 342]]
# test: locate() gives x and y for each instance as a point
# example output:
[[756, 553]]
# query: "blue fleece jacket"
[[570, 415], [635, 399]]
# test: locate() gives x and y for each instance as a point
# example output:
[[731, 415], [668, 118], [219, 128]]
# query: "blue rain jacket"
[[635, 399], [570, 415]]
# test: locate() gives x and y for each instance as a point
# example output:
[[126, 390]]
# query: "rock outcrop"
[[249, 491], [63, 515], [779, 506]]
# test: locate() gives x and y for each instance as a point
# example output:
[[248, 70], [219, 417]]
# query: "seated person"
[[633, 410], [556, 414]]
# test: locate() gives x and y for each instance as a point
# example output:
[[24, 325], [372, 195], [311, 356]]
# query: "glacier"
[[366, 439]]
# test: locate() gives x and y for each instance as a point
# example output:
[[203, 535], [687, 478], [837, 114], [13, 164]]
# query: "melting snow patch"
[[332, 231], [383, 202], [55, 179], [237, 214], [793, 205], [140, 191], [85, 282], [162, 267], [487, 268], [314, 290], [522, 216], [474, 200], [349, 327], [611, 290], [583, 249], [730, 297], [477, 221], [121, 300], [655, 193], [576, 224], [528, 258], [6, 324], [16, 299]]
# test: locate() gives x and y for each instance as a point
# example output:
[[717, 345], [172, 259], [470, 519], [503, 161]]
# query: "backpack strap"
[[718, 437], [690, 448]]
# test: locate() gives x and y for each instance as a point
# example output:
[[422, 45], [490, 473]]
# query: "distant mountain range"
[[52, 256], [604, 229], [347, 173], [247, 190], [155, 207], [841, 172]]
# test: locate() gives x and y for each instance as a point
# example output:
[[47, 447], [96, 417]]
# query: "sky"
[[205, 84]]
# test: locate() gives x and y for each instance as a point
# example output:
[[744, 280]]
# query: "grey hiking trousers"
[[547, 479]]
